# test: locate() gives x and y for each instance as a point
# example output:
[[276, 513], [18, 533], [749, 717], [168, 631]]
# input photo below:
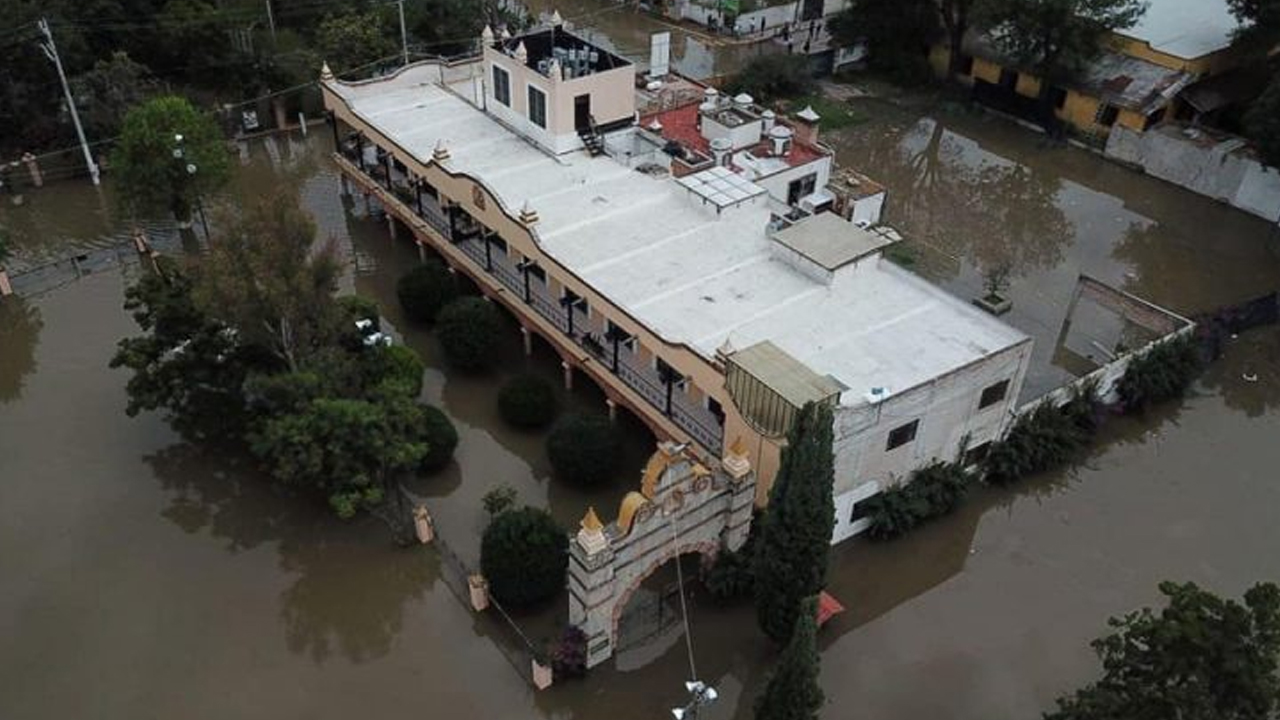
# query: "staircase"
[[591, 138]]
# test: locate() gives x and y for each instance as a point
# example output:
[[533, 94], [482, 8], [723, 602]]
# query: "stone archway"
[[683, 506]]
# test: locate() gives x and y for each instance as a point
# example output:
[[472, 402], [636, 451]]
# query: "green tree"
[[523, 555], [264, 277], [354, 40], [1259, 22], [897, 33], [1262, 123], [768, 78], [793, 692], [795, 531], [440, 436], [105, 93], [584, 449], [347, 449], [468, 329], [1056, 38], [185, 363], [150, 175], [528, 401], [1201, 657], [425, 290]]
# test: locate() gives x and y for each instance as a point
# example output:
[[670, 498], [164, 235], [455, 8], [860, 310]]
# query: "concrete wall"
[[1222, 171], [777, 183]]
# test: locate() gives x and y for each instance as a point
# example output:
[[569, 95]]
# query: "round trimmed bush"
[[468, 329], [395, 364], [425, 290], [528, 401], [441, 438], [524, 555], [584, 449]]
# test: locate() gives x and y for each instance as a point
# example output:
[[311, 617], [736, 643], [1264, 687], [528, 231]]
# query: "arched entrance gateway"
[[683, 507]]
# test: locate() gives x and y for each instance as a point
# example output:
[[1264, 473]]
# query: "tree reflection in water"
[[20, 325], [349, 591]]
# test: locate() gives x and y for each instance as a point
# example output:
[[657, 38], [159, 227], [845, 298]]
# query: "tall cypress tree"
[[793, 692], [795, 532]]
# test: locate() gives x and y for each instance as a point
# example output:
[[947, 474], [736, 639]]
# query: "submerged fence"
[[117, 251]]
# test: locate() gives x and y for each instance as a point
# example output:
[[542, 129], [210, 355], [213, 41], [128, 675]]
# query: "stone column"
[[527, 338], [6, 289], [33, 168], [391, 225], [422, 524], [568, 374], [613, 409], [742, 492], [591, 588]]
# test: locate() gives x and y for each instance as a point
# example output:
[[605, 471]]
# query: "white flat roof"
[[1185, 28], [689, 274]]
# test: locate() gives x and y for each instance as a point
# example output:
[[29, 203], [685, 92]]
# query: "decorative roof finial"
[[486, 35], [553, 70], [528, 216], [735, 461], [556, 20], [522, 53], [441, 153], [504, 33], [591, 535], [326, 75], [590, 521]]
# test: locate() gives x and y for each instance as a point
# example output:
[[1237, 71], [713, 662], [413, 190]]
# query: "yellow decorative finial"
[[590, 522], [737, 448]]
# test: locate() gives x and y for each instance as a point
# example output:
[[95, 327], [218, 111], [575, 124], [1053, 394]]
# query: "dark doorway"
[[582, 112]]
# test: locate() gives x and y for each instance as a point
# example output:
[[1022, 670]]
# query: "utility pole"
[[51, 52], [271, 21], [404, 37]]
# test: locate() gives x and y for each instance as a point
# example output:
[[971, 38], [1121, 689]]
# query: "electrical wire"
[[684, 608]]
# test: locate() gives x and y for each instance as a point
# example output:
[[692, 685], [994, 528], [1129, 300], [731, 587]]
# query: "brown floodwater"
[[141, 577]]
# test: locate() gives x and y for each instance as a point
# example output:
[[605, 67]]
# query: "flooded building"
[[1136, 82], [681, 257]]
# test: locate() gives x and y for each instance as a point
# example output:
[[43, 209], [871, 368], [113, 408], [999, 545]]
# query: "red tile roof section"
[[681, 124]]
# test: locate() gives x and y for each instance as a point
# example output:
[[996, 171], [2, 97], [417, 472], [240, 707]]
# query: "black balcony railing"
[[672, 402]]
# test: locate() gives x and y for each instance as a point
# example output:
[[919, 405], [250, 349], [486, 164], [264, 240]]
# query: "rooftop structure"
[[696, 273]]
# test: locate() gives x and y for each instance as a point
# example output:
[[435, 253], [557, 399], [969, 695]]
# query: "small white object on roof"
[[876, 394], [653, 85], [504, 33], [325, 73], [721, 186], [655, 125], [556, 20], [743, 100], [726, 348], [808, 114], [486, 35], [553, 70], [522, 53], [441, 153]]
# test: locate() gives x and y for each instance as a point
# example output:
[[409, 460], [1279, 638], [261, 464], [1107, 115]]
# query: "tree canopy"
[[1201, 657], [795, 531], [354, 40], [524, 555], [897, 33], [1262, 123], [1055, 38], [154, 170], [584, 449], [793, 692], [468, 329]]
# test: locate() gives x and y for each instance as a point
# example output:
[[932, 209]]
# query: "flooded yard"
[[143, 577]]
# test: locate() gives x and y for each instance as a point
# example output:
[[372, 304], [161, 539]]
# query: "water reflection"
[[20, 325], [349, 589]]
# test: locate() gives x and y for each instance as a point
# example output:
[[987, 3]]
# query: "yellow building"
[[1136, 82]]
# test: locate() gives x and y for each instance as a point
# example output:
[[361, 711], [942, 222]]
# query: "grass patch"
[[835, 114]]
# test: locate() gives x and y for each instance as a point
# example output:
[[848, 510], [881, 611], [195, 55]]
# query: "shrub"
[[732, 578], [584, 449], [425, 290], [356, 307], [441, 438], [499, 500], [1162, 373], [468, 329], [932, 491], [523, 555], [569, 656], [528, 401], [393, 365], [1044, 439], [773, 77]]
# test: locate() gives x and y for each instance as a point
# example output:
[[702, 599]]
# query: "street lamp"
[[700, 695], [179, 152]]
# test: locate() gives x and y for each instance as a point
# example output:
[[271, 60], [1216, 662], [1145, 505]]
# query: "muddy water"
[[142, 577]]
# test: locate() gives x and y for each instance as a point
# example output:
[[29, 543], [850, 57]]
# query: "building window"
[[537, 107], [1008, 79], [1108, 115], [716, 409], [966, 64], [501, 86], [993, 394], [859, 512], [801, 188], [902, 435]]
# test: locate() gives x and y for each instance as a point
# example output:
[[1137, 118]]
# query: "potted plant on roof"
[[995, 281]]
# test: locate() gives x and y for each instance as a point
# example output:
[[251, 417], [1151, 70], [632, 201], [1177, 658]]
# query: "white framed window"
[[537, 107]]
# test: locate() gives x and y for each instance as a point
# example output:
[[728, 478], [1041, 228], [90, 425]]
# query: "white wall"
[[777, 183], [947, 409], [1222, 172], [868, 209]]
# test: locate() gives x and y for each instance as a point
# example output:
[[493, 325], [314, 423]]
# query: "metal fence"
[[117, 251]]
